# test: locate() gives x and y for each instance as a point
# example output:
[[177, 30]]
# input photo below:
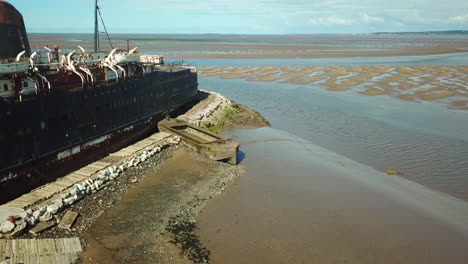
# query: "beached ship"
[[60, 110]]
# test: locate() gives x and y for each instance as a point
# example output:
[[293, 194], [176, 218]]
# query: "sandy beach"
[[445, 84]]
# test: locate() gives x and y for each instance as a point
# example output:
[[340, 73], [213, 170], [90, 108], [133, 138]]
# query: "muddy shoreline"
[[154, 220], [147, 215], [187, 180], [171, 190]]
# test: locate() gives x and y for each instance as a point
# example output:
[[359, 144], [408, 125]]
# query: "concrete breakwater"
[[217, 113], [93, 191]]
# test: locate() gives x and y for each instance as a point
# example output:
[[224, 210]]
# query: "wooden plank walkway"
[[58, 186], [53, 251], [61, 184], [130, 150]]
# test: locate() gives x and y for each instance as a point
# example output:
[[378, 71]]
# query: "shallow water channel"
[[425, 141], [300, 203]]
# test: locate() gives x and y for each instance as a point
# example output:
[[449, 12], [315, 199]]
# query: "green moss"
[[235, 116], [223, 120]]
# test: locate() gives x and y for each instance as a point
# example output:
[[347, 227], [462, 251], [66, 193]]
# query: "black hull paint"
[[37, 134]]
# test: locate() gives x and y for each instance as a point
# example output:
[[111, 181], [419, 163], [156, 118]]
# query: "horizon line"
[[332, 33]]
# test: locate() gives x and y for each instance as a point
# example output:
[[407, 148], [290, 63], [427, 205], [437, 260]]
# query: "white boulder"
[[69, 200], [31, 220], [45, 217], [53, 208], [59, 203], [7, 227]]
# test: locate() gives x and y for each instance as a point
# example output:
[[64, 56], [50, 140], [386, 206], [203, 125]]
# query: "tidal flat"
[[446, 84]]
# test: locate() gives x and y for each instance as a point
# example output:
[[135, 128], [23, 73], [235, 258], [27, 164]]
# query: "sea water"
[[301, 203]]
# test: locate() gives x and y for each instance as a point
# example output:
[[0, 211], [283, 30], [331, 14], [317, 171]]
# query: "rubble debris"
[[19, 229]]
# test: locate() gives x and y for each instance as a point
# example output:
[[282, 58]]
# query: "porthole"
[[5, 87], [25, 84]]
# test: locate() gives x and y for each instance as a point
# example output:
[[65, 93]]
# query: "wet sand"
[[299, 203], [136, 228], [287, 53], [447, 84], [267, 46]]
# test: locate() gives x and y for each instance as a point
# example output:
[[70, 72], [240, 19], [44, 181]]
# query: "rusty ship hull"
[[67, 109], [45, 137]]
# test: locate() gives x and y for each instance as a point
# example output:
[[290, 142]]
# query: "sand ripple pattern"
[[445, 84]]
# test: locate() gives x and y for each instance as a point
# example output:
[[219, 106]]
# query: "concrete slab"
[[5, 212]]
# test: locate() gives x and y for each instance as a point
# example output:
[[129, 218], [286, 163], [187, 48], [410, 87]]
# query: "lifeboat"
[[14, 67], [20, 65], [127, 57]]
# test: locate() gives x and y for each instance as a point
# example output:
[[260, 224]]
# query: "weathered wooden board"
[[35, 251], [41, 227], [68, 220]]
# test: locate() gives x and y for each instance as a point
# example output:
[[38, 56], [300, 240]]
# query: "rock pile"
[[217, 102]]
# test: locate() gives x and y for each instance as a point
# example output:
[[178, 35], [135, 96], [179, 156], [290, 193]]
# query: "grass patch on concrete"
[[223, 120], [235, 116]]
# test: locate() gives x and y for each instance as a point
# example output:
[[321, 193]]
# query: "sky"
[[245, 16]]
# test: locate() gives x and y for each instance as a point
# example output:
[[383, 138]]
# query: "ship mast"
[[96, 28], [97, 13]]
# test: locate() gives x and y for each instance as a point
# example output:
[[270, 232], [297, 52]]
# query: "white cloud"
[[459, 19], [330, 20], [407, 15], [371, 19]]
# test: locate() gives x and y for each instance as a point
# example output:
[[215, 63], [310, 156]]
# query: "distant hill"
[[445, 32]]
